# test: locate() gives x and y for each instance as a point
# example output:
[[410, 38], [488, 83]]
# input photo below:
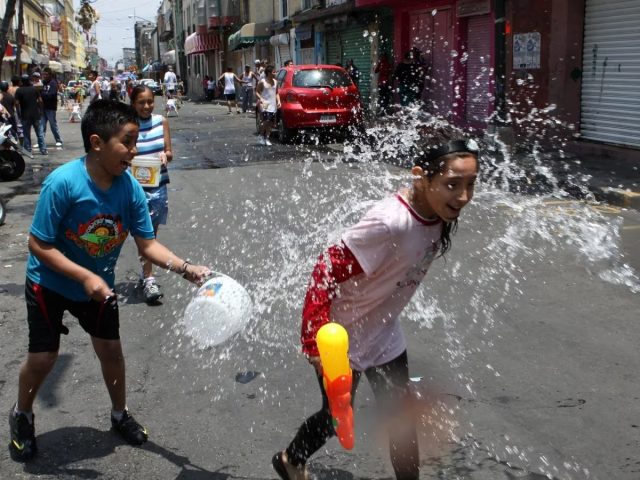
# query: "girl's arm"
[[167, 140], [340, 267]]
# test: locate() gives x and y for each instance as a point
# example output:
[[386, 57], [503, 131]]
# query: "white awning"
[[281, 39], [66, 66], [55, 67]]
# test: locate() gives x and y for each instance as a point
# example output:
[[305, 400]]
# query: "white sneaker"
[[59, 145], [267, 142], [261, 141]]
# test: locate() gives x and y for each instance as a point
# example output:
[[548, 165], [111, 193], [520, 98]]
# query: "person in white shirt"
[[170, 82], [364, 282], [249, 81], [269, 99], [229, 79]]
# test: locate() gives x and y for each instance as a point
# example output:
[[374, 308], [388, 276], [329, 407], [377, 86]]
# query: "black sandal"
[[278, 466]]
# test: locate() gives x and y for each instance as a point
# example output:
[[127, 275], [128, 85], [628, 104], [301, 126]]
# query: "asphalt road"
[[522, 343]]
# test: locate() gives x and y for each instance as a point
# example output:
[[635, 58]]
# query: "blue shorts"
[[269, 117], [158, 201]]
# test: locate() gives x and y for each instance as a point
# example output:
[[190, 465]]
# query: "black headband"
[[453, 146]]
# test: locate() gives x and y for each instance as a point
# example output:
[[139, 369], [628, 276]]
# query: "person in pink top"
[[378, 266]]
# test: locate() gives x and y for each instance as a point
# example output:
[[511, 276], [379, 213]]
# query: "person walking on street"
[[210, 88], [365, 281], [353, 72], [267, 94], [9, 103], [170, 82], [50, 106], [85, 212], [229, 79], [154, 139], [249, 82], [95, 90], [30, 110], [114, 90], [384, 70], [409, 78]]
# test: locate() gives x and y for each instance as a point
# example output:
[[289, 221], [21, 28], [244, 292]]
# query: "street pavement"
[[522, 342]]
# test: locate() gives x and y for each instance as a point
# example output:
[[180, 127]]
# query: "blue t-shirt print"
[[87, 224]]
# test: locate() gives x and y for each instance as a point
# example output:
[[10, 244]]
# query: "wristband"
[[183, 269]]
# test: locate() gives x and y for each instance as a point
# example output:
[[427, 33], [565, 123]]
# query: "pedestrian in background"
[[30, 110], [249, 82], [154, 139], [409, 79], [267, 94], [49, 96], [9, 104], [229, 79], [365, 282], [384, 69], [210, 88], [95, 90], [353, 72], [86, 210], [170, 82]]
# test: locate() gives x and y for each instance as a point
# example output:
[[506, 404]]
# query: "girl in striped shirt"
[[154, 139]]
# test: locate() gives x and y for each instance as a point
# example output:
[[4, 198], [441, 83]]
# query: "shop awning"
[[25, 54], [55, 67], [66, 66], [249, 34], [42, 59], [201, 42], [281, 39], [169, 58]]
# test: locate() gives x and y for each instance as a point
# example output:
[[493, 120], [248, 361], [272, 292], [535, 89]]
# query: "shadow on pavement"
[[48, 395], [60, 449]]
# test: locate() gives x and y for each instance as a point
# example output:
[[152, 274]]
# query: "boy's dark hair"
[[442, 144], [15, 80], [4, 86], [105, 119], [269, 69]]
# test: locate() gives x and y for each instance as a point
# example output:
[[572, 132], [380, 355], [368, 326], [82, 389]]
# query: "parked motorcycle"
[[3, 211], [12, 163]]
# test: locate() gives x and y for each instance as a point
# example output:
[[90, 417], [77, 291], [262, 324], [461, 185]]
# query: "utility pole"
[[19, 36]]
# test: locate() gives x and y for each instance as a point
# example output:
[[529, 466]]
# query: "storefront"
[[247, 44], [200, 49], [610, 103]]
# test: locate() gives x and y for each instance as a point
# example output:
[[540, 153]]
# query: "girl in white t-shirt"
[[378, 266], [228, 79]]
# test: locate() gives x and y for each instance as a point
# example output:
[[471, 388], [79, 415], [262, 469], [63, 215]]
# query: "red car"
[[316, 97]]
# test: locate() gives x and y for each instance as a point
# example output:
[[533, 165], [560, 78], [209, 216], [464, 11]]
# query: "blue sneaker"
[[23, 437]]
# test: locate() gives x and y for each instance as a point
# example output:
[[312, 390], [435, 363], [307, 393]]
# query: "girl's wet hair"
[[137, 90], [433, 155], [105, 118]]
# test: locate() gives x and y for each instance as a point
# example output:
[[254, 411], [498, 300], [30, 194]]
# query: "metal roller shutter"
[[357, 46], [479, 70], [611, 72], [334, 50]]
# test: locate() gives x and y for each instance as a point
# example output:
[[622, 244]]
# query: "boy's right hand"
[[97, 288], [317, 364]]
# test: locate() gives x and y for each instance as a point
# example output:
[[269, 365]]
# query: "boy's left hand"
[[197, 273]]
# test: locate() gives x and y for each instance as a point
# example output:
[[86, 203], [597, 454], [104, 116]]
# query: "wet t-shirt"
[[87, 224], [27, 98], [395, 246]]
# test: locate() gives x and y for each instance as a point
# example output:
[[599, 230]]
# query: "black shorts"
[[269, 117], [230, 96], [44, 316]]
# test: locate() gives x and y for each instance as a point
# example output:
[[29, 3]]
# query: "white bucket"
[[146, 169], [221, 308]]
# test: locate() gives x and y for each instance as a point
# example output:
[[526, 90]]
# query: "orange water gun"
[[333, 343]]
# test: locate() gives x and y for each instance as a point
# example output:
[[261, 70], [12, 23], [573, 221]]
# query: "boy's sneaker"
[[151, 291], [23, 437], [286, 471], [129, 429], [267, 142], [59, 145]]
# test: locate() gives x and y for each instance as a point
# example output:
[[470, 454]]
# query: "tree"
[[9, 12]]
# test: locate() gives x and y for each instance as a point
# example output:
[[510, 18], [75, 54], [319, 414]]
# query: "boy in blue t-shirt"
[[86, 210]]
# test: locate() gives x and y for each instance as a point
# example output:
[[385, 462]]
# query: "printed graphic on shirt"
[[100, 235], [419, 270]]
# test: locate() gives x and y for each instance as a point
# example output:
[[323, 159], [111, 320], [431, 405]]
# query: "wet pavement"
[[522, 345]]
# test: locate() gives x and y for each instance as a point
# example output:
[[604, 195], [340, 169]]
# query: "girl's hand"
[[97, 288], [163, 158], [197, 274], [315, 361]]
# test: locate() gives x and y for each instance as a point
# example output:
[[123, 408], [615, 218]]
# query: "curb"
[[618, 197]]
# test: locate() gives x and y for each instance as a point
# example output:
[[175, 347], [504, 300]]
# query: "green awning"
[[249, 34]]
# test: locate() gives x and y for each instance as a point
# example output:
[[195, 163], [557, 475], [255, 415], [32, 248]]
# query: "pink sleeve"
[[322, 290]]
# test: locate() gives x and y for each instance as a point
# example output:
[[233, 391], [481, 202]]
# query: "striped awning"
[[201, 42]]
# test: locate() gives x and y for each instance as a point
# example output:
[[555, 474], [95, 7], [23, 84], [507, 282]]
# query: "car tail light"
[[291, 97]]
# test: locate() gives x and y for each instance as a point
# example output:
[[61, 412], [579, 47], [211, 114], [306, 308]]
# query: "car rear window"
[[321, 78]]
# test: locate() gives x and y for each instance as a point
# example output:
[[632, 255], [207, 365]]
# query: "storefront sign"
[[526, 50], [469, 8]]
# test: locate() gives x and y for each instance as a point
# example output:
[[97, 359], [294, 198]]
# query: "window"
[[284, 10], [280, 77], [321, 78]]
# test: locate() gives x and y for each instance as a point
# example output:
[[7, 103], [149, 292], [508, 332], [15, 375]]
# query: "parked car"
[[71, 88], [317, 97], [155, 87]]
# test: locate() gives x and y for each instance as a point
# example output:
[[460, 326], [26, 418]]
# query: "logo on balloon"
[[209, 289]]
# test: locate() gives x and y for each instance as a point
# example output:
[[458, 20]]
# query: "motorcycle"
[[12, 163], [3, 211]]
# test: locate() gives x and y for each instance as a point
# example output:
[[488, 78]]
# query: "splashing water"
[[509, 231]]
